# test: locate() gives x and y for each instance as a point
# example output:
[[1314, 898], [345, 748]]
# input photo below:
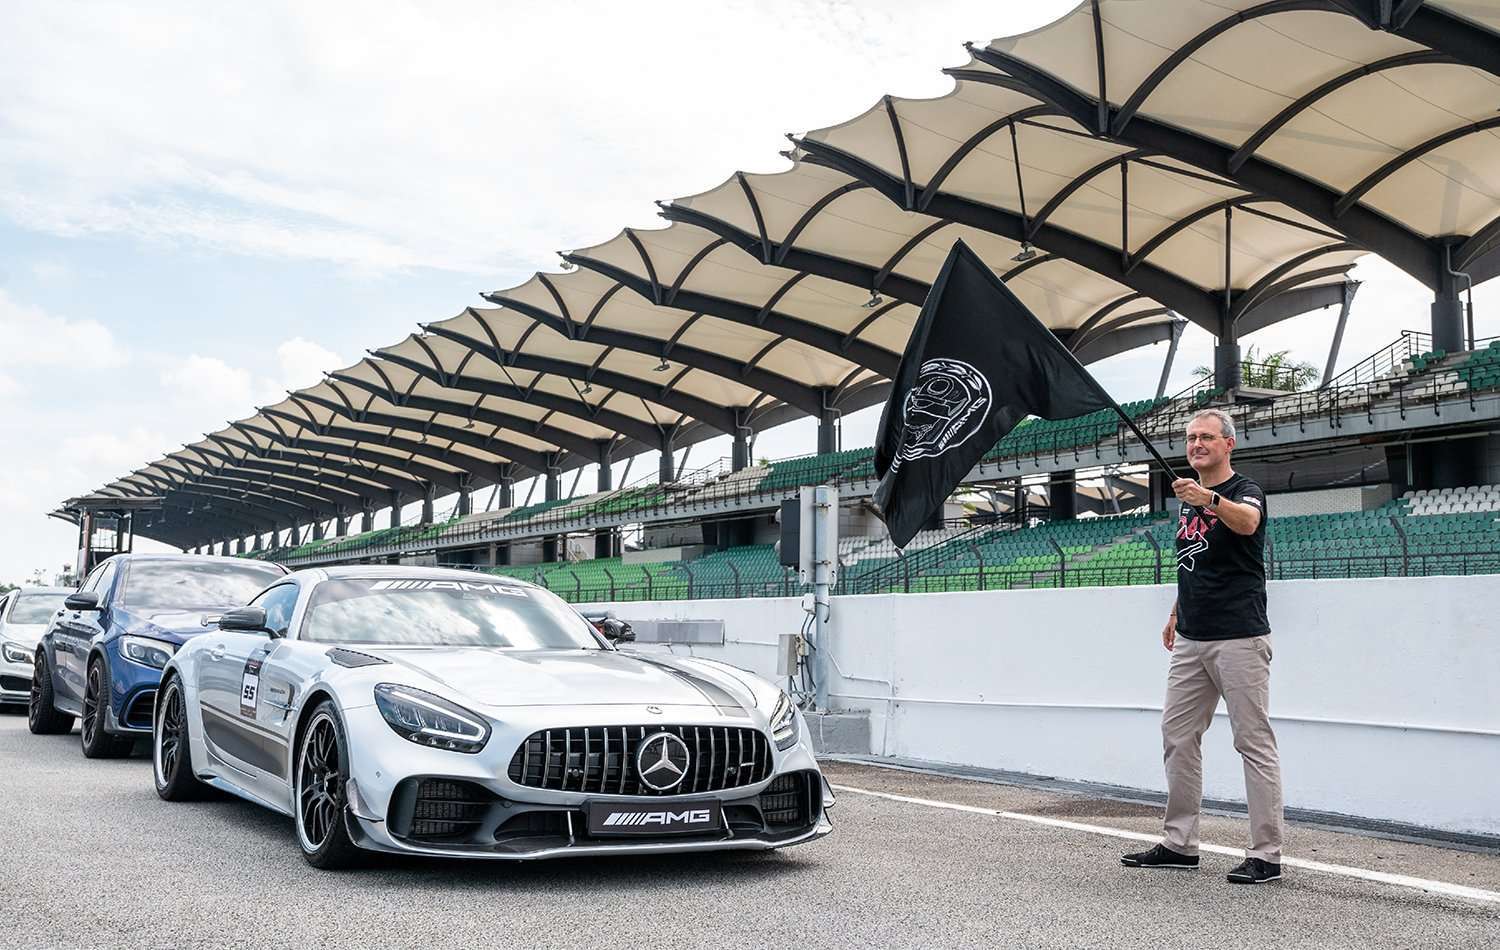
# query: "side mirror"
[[618, 630], [82, 600], [246, 620]]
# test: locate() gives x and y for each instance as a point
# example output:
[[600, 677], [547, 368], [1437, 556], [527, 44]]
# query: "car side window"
[[278, 603], [92, 581], [103, 581]]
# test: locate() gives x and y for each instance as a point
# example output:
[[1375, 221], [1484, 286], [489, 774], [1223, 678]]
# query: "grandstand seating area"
[[1399, 370], [1454, 531]]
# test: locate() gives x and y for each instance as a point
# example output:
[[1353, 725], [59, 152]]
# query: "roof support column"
[[367, 520], [507, 484], [465, 497], [341, 523], [1447, 309], [1338, 333], [429, 494], [396, 501], [239, 545], [828, 422], [1166, 366], [255, 546], [224, 548], [739, 455], [317, 530], [1062, 495], [604, 539], [666, 470], [552, 491]]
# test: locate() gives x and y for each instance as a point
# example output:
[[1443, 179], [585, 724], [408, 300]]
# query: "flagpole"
[[1099, 390]]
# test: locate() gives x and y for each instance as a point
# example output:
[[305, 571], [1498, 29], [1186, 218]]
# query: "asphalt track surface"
[[92, 858]]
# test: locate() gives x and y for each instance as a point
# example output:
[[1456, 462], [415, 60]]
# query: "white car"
[[438, 712], [24, 615]]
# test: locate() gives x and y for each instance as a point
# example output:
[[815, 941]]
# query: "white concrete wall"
[[1385, 692]]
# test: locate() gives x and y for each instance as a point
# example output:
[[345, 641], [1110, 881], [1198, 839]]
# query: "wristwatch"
[[1213, 503]]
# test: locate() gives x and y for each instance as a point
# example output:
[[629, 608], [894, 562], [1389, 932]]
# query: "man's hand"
[[1169, 632], [1188, 490]]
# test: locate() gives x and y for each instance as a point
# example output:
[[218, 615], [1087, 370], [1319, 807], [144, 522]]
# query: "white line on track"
[[1363, 874]]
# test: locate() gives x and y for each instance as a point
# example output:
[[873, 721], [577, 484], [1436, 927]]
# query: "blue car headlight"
[[15, 653], [430, 720], [146, 651], [784, 723]]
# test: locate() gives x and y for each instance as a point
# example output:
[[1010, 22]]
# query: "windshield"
[[36, 608], [184, 585], [426, 612]]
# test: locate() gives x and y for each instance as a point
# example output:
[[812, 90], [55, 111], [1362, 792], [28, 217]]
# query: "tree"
[[1270, 371]]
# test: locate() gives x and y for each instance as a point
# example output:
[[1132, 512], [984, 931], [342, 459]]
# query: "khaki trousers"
[[1202, 671]]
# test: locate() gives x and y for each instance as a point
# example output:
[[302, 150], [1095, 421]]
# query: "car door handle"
[[217, 652]]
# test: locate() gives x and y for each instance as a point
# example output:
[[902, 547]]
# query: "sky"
[[205, 205]]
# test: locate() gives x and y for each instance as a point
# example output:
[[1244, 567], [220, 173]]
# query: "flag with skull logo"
[[977, 364]]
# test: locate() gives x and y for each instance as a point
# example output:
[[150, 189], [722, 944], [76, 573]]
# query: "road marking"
[[1363, 874]]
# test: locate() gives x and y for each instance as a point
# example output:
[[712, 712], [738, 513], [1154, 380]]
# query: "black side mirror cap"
[[246, 619], [82, 600]]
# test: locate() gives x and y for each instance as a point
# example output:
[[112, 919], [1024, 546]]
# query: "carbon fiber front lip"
[[372, 836]]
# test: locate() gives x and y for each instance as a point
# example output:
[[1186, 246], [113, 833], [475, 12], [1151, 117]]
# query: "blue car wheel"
[[97, 742], [42, 717]]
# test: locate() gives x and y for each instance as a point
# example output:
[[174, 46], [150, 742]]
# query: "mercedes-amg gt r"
[[437, 712]]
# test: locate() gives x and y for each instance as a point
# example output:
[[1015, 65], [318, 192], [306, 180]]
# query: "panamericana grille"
[[445, 809], [601, 759]]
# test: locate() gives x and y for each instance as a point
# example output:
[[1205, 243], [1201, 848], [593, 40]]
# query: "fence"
[[682, 583]]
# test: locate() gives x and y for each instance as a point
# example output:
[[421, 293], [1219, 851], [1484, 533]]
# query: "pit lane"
[[92, 858]]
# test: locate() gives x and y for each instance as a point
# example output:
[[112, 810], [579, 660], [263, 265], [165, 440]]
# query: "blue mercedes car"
[[101, 657]]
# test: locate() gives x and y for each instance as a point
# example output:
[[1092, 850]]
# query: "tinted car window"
[[36, 608], [424, 612], [182, 585], [278, 603]]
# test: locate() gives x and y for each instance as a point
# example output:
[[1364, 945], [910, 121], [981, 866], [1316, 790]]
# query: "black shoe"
[[1255, 871], [1160, 857]]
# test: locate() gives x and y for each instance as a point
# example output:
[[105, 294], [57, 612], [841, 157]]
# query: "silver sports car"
[[439, 712]]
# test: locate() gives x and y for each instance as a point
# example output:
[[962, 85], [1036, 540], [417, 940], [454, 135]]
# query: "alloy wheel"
[[91, 704], [170, 732], [320, 784], [34, 708]]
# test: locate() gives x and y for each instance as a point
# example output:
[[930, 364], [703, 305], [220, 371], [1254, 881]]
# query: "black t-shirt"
[[1221, 576]]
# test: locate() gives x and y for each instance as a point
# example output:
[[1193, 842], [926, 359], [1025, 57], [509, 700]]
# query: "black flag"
[[978, 363]]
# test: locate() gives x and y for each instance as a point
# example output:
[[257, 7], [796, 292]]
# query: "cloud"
[[304, 362], [35, 338], [466, 136]]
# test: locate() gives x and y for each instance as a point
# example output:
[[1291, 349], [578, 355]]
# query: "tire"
[[171, 753], [98, 743], [320, 776], [42, 717]]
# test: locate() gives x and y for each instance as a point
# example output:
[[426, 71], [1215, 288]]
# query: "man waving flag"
[[977, 364]]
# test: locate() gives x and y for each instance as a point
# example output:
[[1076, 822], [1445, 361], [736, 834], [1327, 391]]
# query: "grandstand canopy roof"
[[1127, 168]]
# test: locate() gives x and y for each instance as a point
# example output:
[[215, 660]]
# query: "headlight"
[[15, 653], [147, 652], [430, 720], [784, 723]]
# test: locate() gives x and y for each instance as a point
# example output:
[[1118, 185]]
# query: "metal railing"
[[998, 578]]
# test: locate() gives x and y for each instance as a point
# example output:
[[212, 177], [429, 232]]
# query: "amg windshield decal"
[[465, 586]]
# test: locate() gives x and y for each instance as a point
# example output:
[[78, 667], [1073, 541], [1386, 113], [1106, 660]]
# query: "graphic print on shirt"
[[1193, 528]]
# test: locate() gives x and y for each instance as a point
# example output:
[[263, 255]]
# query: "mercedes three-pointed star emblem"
[[662, 762]]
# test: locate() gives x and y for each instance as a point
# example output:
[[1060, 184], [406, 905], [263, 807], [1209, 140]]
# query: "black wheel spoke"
[[319, 783]]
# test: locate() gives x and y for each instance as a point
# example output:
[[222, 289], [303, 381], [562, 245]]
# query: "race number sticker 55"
[[250, 687]]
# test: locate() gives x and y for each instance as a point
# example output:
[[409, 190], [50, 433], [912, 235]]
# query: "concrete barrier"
[[1384, 691]]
